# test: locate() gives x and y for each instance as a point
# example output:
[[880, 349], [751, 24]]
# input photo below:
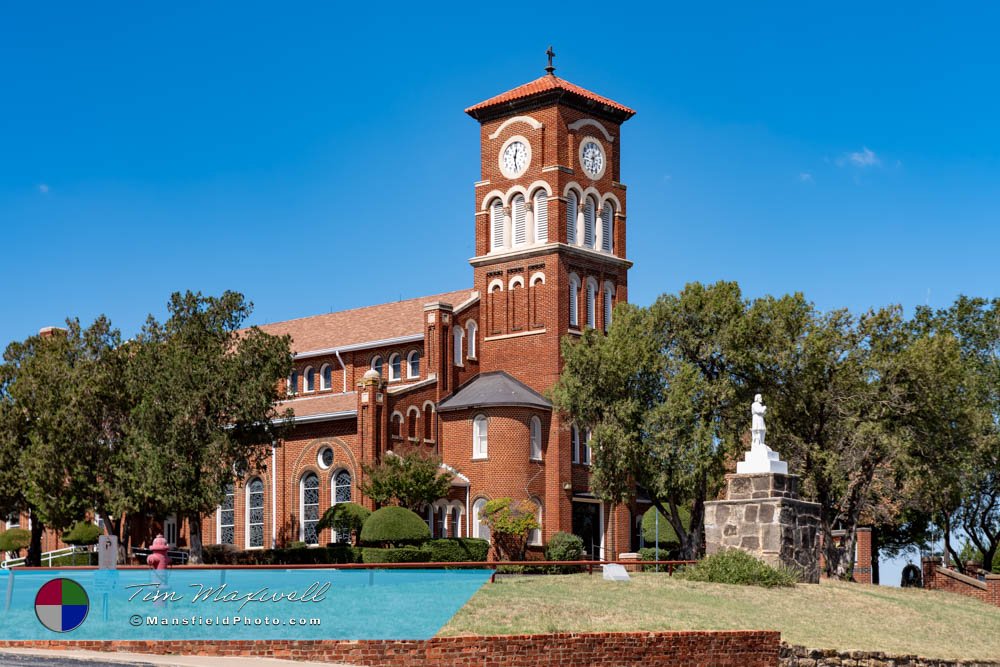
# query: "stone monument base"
[[764, 516]]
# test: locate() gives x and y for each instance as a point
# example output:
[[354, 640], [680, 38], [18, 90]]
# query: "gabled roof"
[[494, 389], [322, 407], [383, 322], [546, 87]]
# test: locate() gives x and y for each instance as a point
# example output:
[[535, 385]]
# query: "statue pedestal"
[[761, 458], [764, 516]]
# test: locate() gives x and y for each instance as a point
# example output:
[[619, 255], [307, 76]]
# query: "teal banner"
[[220, 604]]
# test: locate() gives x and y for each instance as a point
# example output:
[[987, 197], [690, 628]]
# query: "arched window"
[[589, 214], [255, 513], [341, 493], [326, 377], [473, 328], [536, 438], [428, 421], [310, 379], [412, 414], [455, 522], [456, 335], [574, 301], [572, 205], [608, 227], [574, 436], [541, 217], [519, 221], [309, 503], [377, 364], [518, 304], [591, 303], [397, 425], [479, 527], [585, 448], [496, 225], [535, 534], [227, 517], [395, 366], [609, 304], [440, 521], [480, 430], [413, 364], [293, 383]]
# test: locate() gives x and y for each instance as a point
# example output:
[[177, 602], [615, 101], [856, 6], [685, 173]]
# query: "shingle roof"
[[544, 84], [316, 406], [361, 325], [494, 389]]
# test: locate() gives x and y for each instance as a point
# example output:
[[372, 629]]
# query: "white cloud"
[[866, 157], [43, 188], [806, 177]]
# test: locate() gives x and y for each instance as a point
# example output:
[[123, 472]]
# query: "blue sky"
[[318, 158]]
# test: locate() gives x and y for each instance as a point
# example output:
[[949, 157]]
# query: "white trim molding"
[[584, 122], [535, 124]]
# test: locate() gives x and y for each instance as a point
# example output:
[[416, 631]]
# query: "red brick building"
[[462, 375]]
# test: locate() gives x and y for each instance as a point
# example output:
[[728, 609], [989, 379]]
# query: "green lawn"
[[829, 615]]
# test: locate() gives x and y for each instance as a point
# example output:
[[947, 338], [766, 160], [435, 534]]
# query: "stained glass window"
[[310, 507], [255, 513], [227, 517]]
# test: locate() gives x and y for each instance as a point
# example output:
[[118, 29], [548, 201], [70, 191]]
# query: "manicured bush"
[[457, 549], [407, 554], [297, 545], [14, 539], [394, 526], [733, 566], [81, 534], [336, 554], [564, 546], [345, 518]]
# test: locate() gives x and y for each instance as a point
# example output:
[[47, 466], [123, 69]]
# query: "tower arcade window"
[[541, 217], [480, 430], [574, 301], [519, 221], [609, 303], [591, 303], [607, 227], [496, 225], [572, 207], [589, 213]]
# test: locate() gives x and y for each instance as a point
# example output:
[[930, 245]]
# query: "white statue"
[[760, 458], [757, 428]]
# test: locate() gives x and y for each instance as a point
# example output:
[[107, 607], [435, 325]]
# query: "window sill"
[[472, 358], [535, 460], [396, 437], [414, 439], [428, 441], [480, 458]]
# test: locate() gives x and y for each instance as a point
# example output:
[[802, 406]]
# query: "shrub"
[[15, 539], [297, 545], [564, 546], [345, 518], [457, 549], [733, 566], [407, 554], [509, 523], [668, 536], [82, 533], [226, 554], [395, 526]]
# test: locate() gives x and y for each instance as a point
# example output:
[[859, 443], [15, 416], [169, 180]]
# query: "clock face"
[[515, 158], [592, 158]]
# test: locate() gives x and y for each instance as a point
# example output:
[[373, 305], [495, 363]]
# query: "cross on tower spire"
[[551, 54]]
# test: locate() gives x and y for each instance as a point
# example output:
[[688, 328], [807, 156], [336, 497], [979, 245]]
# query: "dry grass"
[[830, 615]]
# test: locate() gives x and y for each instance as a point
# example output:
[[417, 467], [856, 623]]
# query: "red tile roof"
[[361, 325], [544, 84], [310, 406]]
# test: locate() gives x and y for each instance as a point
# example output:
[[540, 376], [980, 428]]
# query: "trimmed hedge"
[[407, 554], [83, 533], [394, 525], [457, 549], [14, 539], [331, 555]]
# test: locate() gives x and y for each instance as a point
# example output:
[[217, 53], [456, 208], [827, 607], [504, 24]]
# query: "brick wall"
[[648, 649], [941, 578]]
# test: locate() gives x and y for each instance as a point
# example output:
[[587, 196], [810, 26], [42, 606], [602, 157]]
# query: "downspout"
[[468, 511], [274, 496], [342, 367]]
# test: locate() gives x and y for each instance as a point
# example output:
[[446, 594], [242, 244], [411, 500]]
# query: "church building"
[[462, 375]]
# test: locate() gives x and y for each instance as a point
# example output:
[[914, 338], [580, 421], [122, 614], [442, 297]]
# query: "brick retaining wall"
[[799, 656], [940, 578], [606, 649]]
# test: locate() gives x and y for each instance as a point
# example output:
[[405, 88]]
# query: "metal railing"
[[177, 556], [47, 557]]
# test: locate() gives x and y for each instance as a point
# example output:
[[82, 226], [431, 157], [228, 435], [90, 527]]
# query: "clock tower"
[[550, 223]]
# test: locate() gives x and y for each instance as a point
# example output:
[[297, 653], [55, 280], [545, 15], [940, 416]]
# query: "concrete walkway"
[[24, 657]]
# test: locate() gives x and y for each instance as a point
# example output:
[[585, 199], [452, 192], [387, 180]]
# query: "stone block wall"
[[799, 656]]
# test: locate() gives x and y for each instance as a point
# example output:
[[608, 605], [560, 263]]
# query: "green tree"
[[509, 523], [659, 395], [206, 410], [345, 518], [410, 480]]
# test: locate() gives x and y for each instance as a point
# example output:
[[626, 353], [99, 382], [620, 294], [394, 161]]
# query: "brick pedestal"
[[764, 516]]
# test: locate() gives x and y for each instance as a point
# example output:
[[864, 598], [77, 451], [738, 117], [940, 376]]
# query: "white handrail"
[[48, 557]]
